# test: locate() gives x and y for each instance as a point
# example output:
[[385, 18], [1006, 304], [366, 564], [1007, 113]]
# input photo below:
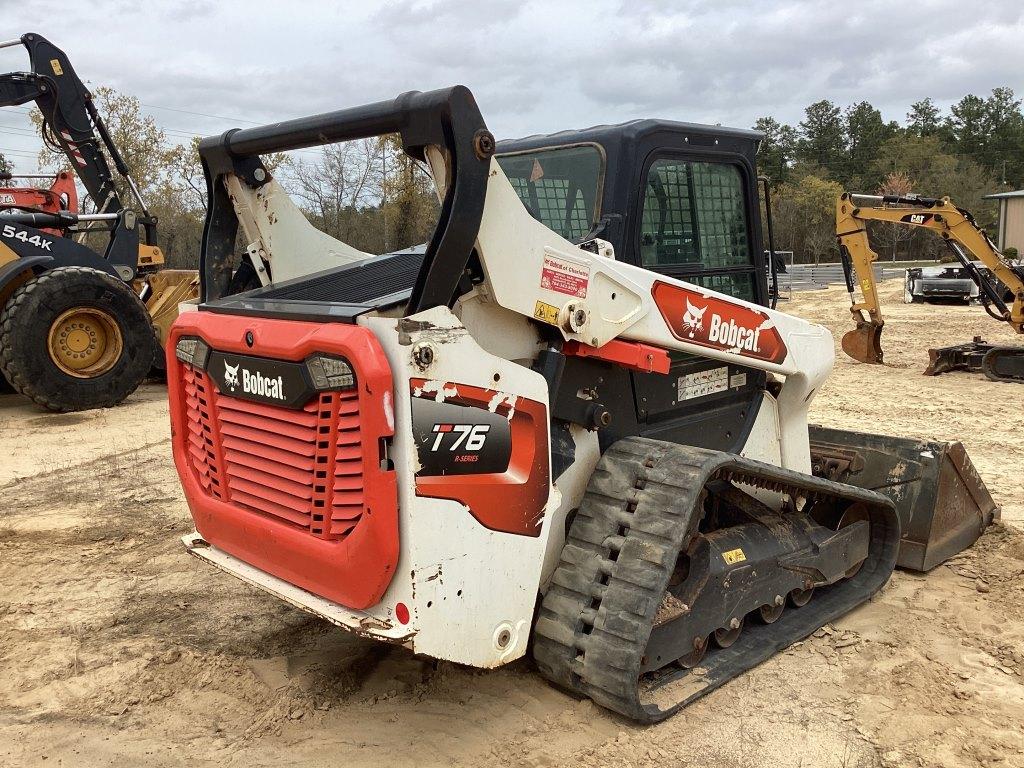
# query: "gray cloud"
[[533, 66]]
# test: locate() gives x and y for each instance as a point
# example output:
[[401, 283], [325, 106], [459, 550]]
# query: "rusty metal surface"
[[864, 343], [941, 499], [358, 622]]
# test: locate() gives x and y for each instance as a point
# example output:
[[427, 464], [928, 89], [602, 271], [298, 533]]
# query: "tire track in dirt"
[[117, 648]]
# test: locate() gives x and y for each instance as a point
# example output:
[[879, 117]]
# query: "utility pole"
[[384, 189]]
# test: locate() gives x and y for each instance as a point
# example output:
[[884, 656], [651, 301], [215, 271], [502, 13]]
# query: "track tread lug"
[[602, 659]]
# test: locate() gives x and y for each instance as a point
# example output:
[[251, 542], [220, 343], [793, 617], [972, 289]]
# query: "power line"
[[18, 152], [201, 114]]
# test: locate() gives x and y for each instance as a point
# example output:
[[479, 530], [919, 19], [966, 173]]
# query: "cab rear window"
[[560, 187]]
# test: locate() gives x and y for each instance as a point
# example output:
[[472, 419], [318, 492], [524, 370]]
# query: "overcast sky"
[[534, 67]]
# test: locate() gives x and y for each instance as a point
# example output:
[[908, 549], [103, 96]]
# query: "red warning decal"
[[719, 324], [565, 276]]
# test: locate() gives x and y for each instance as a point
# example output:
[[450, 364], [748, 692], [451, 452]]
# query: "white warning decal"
[[703, 383]]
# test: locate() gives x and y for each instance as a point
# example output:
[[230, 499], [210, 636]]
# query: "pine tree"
[[777, 149], [924, 118], [822, 138]]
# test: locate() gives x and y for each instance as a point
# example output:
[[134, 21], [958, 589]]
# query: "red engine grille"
[[304, 467]]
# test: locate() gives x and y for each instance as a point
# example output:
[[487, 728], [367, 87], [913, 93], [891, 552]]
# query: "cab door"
[[695, 224]]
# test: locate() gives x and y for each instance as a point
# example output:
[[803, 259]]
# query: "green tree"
[[777, 150], [966, 127], [1004, 147], [933, 172], [822, 138], [924, 118], [5, 166], [804, 216], [866, 131]]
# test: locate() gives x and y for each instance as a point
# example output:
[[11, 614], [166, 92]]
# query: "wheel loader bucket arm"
[[71, 120]]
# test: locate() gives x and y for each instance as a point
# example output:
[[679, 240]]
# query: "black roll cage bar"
[[447, 118]]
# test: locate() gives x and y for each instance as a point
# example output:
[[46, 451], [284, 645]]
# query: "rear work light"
[[330, 373], [192, 350]]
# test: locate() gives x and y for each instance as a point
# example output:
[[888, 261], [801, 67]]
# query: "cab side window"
[[694, 225]]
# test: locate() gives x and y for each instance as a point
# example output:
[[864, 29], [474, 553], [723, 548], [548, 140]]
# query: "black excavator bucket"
[[999, 363], [864, 343], [941, 500]]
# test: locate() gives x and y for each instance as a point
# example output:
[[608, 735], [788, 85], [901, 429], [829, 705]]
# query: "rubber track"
[[987, 363], [641, 508]]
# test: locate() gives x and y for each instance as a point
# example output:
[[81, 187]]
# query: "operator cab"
[[676, 198]]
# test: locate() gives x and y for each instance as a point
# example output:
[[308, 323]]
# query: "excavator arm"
[[953, 224]]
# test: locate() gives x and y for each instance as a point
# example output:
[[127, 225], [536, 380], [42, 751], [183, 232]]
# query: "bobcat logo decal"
[[231, 375], [693, 319]]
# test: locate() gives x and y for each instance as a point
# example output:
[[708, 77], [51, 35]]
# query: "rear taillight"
[[330, 373], [192, 350]]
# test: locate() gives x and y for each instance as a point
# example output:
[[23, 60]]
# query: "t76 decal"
[[459, 438], [485, 449], [713, 322]]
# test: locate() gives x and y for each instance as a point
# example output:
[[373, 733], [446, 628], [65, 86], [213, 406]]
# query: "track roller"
[[726, 636], [662, 621], [772, 612], [798, 598]]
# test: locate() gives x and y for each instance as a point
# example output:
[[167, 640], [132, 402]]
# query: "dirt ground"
[[117, 648]]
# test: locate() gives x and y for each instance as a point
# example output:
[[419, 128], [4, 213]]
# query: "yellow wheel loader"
[[572, 427], [80, 329]]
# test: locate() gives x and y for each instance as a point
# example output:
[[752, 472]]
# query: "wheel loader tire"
[[75, 338]]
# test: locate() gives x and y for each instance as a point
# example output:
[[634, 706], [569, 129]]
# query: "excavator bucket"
[[942, 502], [864, 343]]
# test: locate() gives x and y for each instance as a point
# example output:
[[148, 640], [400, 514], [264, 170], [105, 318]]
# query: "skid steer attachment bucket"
[[941, 500], [864, 343]]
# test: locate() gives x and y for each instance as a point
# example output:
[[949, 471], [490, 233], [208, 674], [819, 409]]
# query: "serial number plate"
[[703, 383]]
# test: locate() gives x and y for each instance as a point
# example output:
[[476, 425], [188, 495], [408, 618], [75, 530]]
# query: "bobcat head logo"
[[231, 375], [693, 320]]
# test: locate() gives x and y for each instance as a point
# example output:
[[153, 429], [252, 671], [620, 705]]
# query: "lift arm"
[[71, 123], [958, 230]]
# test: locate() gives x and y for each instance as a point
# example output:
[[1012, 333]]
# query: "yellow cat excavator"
[[1003, 297]]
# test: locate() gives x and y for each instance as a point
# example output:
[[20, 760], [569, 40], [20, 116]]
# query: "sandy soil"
[[116, 648]]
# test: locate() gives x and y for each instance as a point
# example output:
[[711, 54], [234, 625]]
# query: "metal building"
[[1011, 220]]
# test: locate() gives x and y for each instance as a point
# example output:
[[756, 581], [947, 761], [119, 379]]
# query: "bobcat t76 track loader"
[[576, 393]]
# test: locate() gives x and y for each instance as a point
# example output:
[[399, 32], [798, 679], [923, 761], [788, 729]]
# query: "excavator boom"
[[962, 235]]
